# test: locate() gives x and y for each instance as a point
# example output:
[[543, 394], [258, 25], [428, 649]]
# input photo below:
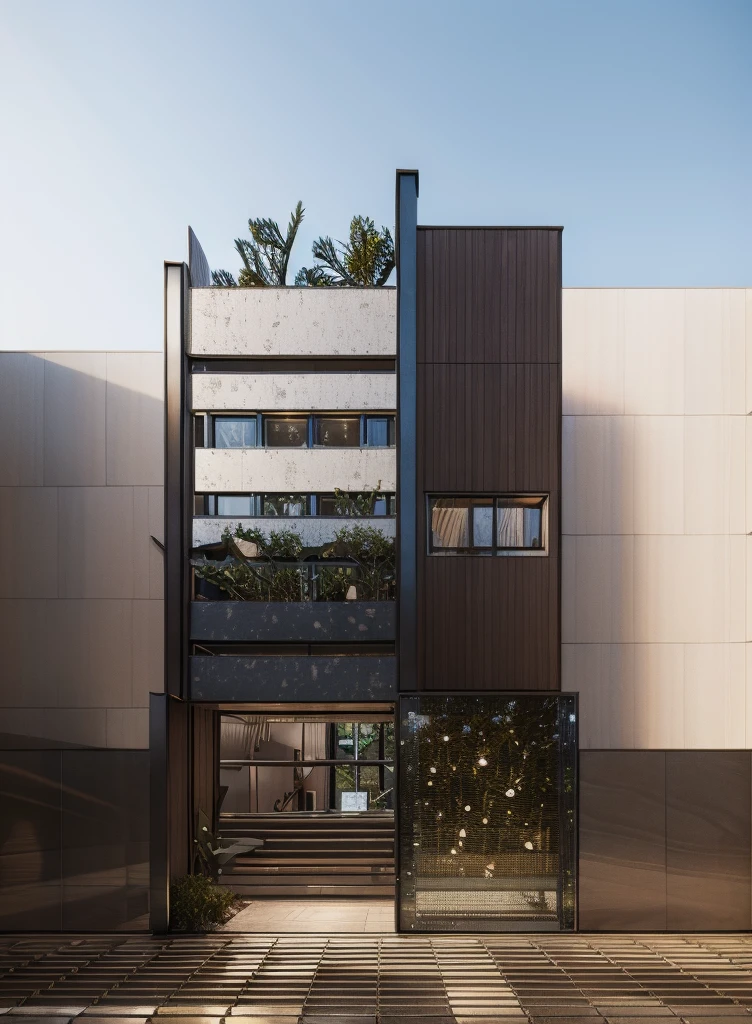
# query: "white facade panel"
[[294, 470], [298, 322], [657, 506], [314, 530], [293, 392]]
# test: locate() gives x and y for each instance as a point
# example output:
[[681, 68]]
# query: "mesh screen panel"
[[487, 812]]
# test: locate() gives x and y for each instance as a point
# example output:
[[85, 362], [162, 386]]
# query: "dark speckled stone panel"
[[229, 678], [622, 840], [293, 621], [708, 839]]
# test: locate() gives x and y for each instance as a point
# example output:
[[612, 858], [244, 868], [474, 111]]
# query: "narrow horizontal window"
[[368, 504], [234, 431], [286, 432], [504, 524], [336, 431]]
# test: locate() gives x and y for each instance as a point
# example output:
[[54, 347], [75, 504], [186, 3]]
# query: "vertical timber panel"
[[488, 396]]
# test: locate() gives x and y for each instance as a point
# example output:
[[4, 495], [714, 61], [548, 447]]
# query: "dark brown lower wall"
[[74, 840], [665, 840]]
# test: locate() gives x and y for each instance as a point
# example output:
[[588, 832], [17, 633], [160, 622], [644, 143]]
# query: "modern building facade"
[[456, 602]]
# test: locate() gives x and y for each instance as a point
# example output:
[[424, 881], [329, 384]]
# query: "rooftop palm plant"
[[266, 256], [367, 259]]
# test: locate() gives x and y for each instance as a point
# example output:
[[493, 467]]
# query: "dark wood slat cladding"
[[205, 762], [489, 295], [489, 421]]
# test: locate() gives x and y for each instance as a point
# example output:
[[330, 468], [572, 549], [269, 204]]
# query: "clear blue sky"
[[628, 122]]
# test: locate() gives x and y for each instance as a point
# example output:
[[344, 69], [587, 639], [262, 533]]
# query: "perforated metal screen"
[[487, 812]]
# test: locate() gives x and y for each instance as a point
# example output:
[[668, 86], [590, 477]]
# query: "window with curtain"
[[487, 525], [234, 431]]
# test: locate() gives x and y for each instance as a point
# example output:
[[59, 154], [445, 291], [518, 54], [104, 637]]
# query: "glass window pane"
[[461, 524], [488, 836], [285, 505], [234, 505], [337, 431], [286, 432], [519, 522], [345, 741], [379, 505], [327, 505], [234, 431], [377, 431]]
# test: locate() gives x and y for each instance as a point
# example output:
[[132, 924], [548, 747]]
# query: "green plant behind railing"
[[198, 905], [268, 578]]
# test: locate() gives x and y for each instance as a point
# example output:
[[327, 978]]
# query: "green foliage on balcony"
[[267, 569]]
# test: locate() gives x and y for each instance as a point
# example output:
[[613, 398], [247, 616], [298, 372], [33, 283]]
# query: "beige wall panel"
[[714, 351], [28, 676], [96, 555], [603, 674], [294, 321], [127, 728], [135, 413], [68, 726], [748, 347], [714, 696], [659, 696], [156, 555], [292, 470], [688, 589], [598, 474], [93, 641], [75, 419], [28, 540], [654, 351], [148, 651], [568, 589], [658, 474], [21, 419], [715, 474], [293, 392], [593, 355], [148, 559], [598, 581], [748, 589]]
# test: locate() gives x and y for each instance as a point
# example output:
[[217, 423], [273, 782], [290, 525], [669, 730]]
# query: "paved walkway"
[[377, 979], [329, 915]]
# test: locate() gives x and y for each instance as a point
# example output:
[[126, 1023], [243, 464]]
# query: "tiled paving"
[[327, 915], [376, 979]]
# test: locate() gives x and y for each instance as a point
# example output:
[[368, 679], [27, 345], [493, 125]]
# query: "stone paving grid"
[[376, 979]]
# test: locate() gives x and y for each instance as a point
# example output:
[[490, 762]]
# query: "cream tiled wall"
[[81, 587], [657, 515]]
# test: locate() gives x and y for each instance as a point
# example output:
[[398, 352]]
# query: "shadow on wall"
[[74, 840], [81, 626]]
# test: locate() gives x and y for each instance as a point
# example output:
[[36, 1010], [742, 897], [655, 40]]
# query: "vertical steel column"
[[406, 242], [407, 498]]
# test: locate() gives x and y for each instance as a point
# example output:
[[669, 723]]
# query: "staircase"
[[313, 854]]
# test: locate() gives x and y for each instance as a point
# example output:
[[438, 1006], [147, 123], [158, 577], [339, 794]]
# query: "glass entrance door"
[[487, 812]]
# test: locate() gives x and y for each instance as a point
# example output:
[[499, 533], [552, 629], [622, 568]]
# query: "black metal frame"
[[493, 548], [262, 418], [569, 751]]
